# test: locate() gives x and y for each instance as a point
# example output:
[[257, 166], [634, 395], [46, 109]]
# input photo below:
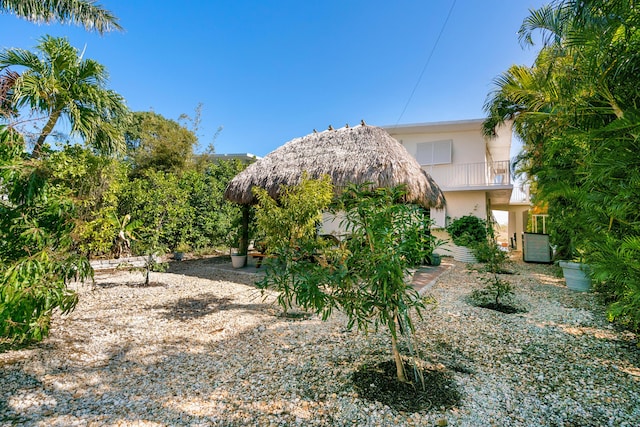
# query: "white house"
[[472, 170]]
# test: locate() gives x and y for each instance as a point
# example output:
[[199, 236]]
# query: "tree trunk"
[[244, 237], [46, 131], [396, 354], [396, 358], [149, 264]]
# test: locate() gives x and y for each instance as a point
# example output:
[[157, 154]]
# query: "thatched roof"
[[348, 155]]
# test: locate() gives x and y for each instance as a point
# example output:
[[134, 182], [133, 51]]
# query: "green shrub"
[[498, 294], [293, 218], [489, 253], [37, 256], [468, 230], [496, 291], [616, 267], [477, 234], [94, 183], [146, 198], [31, 289], [211, 215]]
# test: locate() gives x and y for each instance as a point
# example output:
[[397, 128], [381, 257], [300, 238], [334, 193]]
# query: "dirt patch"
[[502, 308], [379, 383]]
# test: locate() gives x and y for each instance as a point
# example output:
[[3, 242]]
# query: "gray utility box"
[[536, 248]]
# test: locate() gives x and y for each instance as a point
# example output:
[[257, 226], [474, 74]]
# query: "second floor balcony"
[[471, 176]]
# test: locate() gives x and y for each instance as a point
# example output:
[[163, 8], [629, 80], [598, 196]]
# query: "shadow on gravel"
[[108, 285], [217, 267], [192, 267], [202, 305], [21, 383], [502, 308]]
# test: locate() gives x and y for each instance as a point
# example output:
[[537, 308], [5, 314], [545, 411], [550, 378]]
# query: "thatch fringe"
[[350, 155]]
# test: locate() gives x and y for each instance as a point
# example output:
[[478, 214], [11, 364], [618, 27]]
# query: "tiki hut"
[[350, 155]]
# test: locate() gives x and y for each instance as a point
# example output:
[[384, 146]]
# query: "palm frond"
[[548, 20], [18, 58], [86, 13]]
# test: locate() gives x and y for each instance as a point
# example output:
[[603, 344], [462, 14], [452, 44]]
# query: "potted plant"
[[577, 275], [572, 239], [576, 272], [238, 259], [434, 259], [181, 249]]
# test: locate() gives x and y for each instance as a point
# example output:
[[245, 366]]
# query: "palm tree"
[[82, 12], [602, 38], [579, 118], [59, 83], [583, 80], [38, 253]]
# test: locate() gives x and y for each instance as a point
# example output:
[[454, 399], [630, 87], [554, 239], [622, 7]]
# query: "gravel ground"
[[201, 347]]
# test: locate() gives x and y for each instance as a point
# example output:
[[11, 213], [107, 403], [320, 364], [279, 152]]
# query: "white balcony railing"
[[520, 194], [486, 174]]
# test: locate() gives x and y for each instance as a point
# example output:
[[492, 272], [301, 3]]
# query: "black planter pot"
[[434, 259]]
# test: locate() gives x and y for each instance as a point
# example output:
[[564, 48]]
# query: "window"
[[434, 153]]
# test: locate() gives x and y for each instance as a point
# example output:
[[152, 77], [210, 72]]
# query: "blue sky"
[[271, 71]]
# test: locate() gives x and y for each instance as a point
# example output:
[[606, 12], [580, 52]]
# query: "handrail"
[[484, 174]]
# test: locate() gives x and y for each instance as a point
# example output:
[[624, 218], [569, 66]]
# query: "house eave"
[[445, 126]]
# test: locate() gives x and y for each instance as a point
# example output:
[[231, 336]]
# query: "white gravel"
[[202, 348]]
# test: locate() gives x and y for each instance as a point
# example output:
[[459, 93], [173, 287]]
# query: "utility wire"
[[433, 49]]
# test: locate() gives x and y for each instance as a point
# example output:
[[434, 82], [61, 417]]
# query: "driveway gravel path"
[[203, 347]]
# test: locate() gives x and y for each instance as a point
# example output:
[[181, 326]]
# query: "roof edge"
[[469, 124]]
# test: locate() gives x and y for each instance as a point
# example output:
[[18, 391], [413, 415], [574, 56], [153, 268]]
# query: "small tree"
[[289, 226], [497, 293], [374, 290], [151, 249], [365, 276]]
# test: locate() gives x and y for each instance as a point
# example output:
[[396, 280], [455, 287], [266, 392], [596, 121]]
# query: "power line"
[[433, 49]]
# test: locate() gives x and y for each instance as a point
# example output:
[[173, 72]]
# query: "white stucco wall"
[[331, 224], [468, 145], [461, 203], [500, 146]]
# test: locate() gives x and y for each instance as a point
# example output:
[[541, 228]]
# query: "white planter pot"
[[576, 276], [463, 254], [238, 261]]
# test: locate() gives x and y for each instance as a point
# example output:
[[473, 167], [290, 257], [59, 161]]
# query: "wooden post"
[[244, 238]]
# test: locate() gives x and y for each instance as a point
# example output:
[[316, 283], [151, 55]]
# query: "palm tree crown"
[[87, 13], [60, 83]]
